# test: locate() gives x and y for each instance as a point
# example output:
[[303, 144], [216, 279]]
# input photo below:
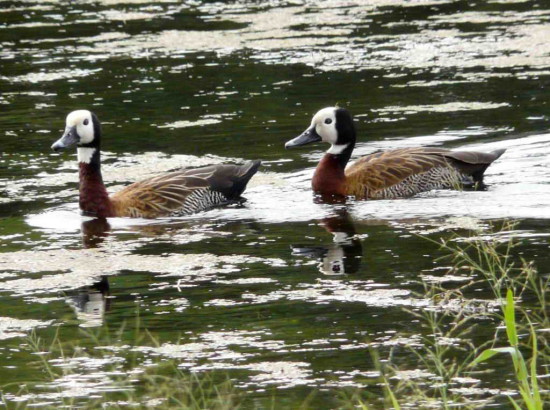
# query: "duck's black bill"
[[69, 138], [307, 137]]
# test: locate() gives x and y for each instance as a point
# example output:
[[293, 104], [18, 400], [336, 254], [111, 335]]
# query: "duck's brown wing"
[[158, 196], [405, 172], [183, 192]]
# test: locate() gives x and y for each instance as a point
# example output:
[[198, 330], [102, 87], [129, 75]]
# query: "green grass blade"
[[510, 318], [488, 353], [393, 399], [533, 368], [514, 403]]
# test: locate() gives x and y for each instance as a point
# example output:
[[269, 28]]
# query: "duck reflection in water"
[[94, 232], [91, 302], [344, 255]]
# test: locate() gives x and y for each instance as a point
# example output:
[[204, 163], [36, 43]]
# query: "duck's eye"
[[86, 121], [328, 121]]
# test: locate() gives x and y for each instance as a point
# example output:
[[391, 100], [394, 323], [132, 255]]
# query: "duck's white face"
[[324, 123], [81, 120], [79, 131], [322, 128]]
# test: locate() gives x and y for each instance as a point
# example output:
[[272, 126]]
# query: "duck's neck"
[[329, 177], [94, 199]]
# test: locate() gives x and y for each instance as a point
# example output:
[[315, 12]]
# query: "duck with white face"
[[323, 128], [175, 193], [398, 173], [81, 129]]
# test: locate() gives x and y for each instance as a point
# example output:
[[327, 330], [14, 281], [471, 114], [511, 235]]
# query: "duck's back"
[[405, 172], [184, 192]]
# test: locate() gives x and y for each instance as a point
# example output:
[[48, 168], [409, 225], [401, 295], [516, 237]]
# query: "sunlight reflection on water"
[[245, 288]]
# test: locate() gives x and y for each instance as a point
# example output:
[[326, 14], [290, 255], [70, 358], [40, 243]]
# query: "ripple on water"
[[51, 75], [325, 291], [185, 124], [274, 37], [448, 107], [336, 35], [11, 327], [84, 377], [81, 267], [285, 35], [216, 351]]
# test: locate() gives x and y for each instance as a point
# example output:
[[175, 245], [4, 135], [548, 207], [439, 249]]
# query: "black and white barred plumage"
[[435, 178], [201, 200]]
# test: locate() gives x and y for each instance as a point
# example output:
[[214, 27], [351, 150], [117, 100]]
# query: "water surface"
[[284, 294]]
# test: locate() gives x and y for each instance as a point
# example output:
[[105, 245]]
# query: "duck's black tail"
[[241, 180], [230, 180], [473, 163], [488, 159]]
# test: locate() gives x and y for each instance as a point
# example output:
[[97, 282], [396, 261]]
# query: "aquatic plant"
[[527, 379], [448, 355]]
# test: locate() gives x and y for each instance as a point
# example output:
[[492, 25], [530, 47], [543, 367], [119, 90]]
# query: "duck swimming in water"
[[398, 173], [175, 193]]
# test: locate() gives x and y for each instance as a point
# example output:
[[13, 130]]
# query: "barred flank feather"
[[435, 178], [200, 200]]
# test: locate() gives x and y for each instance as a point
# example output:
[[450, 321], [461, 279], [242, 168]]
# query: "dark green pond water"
[[250, 291]]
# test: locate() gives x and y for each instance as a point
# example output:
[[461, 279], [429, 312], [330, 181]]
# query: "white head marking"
[[325, 125], [82, 120], [337, 149]]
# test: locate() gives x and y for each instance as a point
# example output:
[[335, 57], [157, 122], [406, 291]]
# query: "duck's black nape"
[[344, 126]]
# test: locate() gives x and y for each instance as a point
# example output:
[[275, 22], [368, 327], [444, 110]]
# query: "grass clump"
[[527, 379], [450, 355]]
